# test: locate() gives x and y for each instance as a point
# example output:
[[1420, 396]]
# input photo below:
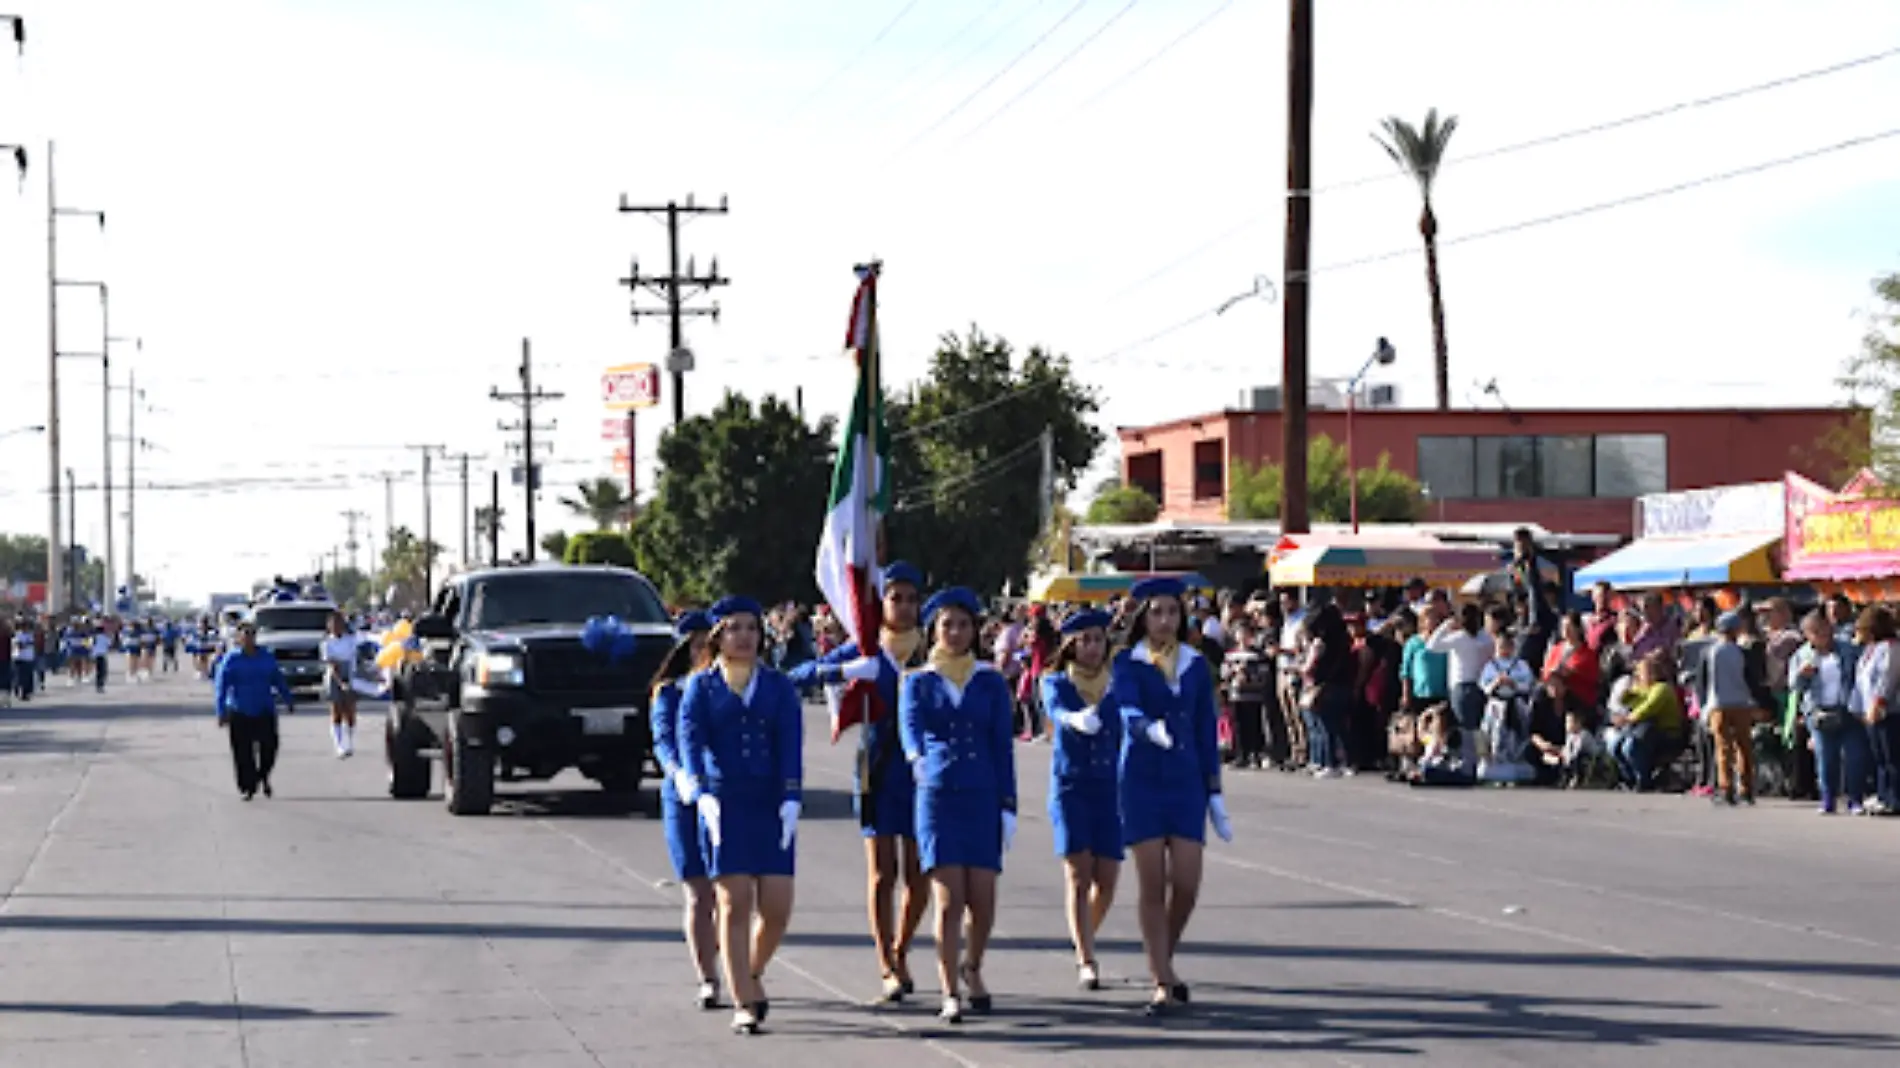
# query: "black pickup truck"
[[505, 689]]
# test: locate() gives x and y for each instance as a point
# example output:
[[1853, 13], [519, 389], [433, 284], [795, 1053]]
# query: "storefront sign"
[[630, 386], [1756, 508], [1846, 535]]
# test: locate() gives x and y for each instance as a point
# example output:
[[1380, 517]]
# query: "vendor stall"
[[1846, 542], [1079, 589], [1342, 562], [1661, 563]]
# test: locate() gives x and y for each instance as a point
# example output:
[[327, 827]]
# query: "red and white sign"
[[613, 428], [622, 460], [630, 386]]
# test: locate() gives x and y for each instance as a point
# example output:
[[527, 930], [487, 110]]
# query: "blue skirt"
[[1086, 818], [682, 837], [959, 829], [748, 839], [893, 809], [1176, 810]]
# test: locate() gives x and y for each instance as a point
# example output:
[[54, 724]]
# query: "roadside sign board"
[[630, 386], [613, 428], [622, 460]]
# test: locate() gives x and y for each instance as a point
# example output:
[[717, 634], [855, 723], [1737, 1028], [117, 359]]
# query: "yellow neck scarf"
[[1166, 658], [737, 676], [901, 644], [1092, 685], [957, 667]]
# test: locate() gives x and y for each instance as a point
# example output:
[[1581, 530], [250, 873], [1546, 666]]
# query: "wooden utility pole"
[[526, 398], [1299, 236], [675, 288]]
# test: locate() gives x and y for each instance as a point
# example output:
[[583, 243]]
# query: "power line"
[[987, 471], [1154, 56], [845, 67], [894, 101], [1045, 75], [994, 78]]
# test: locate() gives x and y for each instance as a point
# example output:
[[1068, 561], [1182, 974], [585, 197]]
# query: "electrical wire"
[[991, 469], [993, 79], [1152, 58], [848, 64], [895, 102], [1047, 74]]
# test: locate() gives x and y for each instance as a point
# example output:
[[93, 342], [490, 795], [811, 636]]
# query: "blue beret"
[[692, 623], [727, 607], [900, 571], [1158, 586], [954, 597], [1089, 619]]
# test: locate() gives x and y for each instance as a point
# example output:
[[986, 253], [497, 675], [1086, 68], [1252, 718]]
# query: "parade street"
[[152, 918]]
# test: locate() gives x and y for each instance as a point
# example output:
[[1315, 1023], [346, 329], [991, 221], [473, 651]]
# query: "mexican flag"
[[850, 549]]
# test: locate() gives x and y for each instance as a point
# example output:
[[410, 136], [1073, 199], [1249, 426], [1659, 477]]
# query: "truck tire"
[[408, 769], [470, 771]]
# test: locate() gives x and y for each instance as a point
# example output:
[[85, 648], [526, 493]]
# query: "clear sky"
[[332, 221]]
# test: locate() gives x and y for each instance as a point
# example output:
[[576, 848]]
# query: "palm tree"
[[554, 543], [603, 500], [1421, 151]]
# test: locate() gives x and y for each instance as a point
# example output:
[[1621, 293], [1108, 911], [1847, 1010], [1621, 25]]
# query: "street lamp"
[[54, 212], [132, 444], [1382, 355]]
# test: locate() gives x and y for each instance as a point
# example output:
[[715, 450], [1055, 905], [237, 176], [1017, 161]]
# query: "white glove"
[[709, 815], [686, 786], [788, 823], [1158, 734], [1009, 829], [1088, 721], [863, 669], [1217, 811]]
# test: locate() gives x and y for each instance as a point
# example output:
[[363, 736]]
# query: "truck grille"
[[565, 668], [294, 654]]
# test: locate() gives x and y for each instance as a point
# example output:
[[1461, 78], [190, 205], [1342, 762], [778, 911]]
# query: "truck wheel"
[[408, 768], [470, 771]]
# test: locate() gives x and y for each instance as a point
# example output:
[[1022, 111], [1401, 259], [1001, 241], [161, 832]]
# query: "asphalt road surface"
[[153, 919]]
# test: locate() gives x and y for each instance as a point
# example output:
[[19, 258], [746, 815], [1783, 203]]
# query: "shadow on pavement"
[[42, 710], [33, 740], [184, 1010]]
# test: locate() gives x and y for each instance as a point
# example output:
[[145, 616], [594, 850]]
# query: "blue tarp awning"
[[1651, 563]]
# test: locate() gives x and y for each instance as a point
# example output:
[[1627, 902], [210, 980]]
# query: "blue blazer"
[[665, 717], [1145, 696], [1080, 758], [828, 670], [749, 745], [963, 740]]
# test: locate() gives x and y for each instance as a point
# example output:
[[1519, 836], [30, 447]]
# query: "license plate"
[[602, 720]]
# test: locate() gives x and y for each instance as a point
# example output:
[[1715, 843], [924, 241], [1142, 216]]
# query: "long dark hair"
[[677, 665], [1328, 625], [1138, 629]]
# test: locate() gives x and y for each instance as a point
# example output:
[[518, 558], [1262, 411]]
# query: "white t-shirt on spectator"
[[1466, 654]]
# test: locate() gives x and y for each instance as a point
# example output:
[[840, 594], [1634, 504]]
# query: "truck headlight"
[[498, 669]]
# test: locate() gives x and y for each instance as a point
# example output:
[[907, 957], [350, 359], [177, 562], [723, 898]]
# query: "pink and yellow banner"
[[1852, 534]]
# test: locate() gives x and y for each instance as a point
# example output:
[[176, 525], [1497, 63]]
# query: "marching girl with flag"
[[957, 722], [741, 742], [1084, 807], [1170, 773], [886, 796], [678, 797]]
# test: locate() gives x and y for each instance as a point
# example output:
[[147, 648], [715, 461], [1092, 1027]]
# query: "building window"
[[1630, 465], [1144, 473], [1446, 467], [1210, 470], [1516, 467]]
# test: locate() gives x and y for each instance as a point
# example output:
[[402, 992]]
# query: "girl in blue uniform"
[[1084, 806], [956, 720], [886, 796], [1170, 773], [677, 808], [741, 742]]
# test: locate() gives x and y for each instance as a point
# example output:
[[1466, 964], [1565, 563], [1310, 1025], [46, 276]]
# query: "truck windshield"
[[518, 600], [292, 618]]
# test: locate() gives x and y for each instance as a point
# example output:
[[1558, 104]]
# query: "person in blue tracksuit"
[[1084, 804], [741, 741], [677, 808], [886, 796], [956, 719], [169, 634], [247, 683], [1170, 772]]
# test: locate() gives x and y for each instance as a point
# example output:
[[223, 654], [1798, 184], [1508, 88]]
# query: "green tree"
[[554, 543], [23, 559], [967, 457], [1123, 504], [349, 587], [740, 503], [1386, 495], [1872, 377], [405, 562], [600, 547], [1421, 152], [603, 500]]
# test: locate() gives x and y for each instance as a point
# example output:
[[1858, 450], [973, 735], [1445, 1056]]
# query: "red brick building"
[[1574, 471]]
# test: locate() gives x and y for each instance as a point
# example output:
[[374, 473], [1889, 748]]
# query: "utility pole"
[[468, 518], [70, 566], [105, 420], [527, 397], [428, 521], [132, 446], [1048, 477], [55, 563], [351, 517], [675, 289], [1299, 237], [389, 509], [494, 519]]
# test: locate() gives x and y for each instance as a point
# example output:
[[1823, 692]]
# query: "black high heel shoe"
[[980, 1004], [745, 1022], [762, 1007], [708, 994], [893, 990], [1179, 992]]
